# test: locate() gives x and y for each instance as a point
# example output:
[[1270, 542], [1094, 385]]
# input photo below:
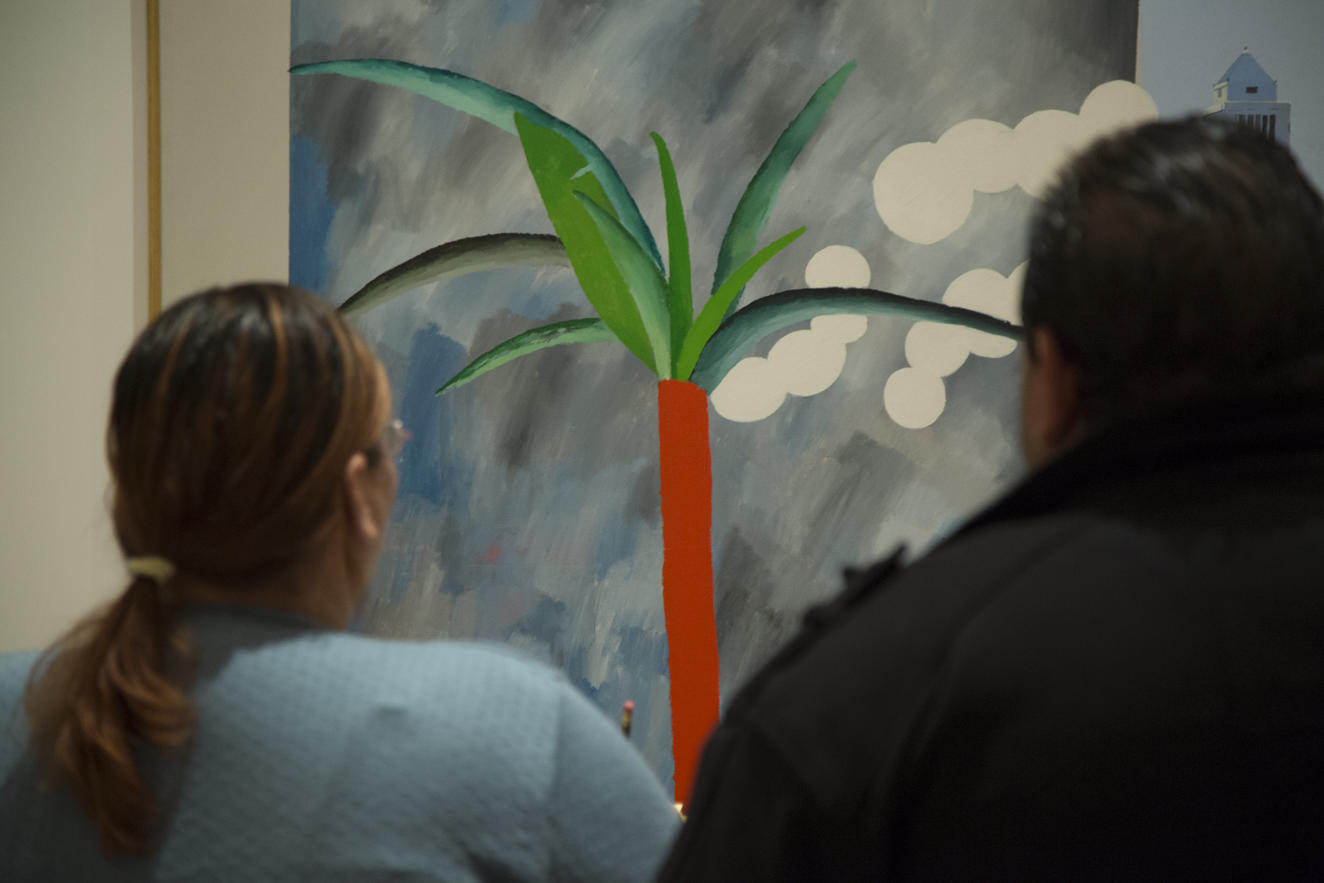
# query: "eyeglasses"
[[394, 436]]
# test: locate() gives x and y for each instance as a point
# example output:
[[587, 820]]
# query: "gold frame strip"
[[153, 158]]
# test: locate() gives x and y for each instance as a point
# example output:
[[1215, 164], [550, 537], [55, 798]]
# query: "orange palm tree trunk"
[[687, 572]]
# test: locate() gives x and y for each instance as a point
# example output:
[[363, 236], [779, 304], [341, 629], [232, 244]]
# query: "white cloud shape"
[[837, 266], [924, 191], [747, 392], [986, 151], [807, 362], [1047, 139], [1115, 105], [937, 348], [915, 396], [921, 194], [988, 291], [804, 362]]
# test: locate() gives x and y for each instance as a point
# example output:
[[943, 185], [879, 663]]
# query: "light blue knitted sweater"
[[324, 756]]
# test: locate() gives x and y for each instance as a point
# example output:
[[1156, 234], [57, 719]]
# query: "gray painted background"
[[528, 510]]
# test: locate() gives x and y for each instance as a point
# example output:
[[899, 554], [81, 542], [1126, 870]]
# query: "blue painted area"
[[513, 12], [430, 466], [299, 33], [520, 291], [616, 541], [311, 213]]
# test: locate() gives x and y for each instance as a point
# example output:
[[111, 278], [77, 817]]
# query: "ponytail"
[[99, 696], [232, 418]]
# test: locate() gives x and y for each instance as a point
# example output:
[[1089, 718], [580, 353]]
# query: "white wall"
[[71, 249], [225, 157]]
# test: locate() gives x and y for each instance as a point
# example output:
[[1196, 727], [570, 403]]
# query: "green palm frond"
[[498, 107], [751, 214], [561, 171], [458, 258], [642, 280], [680, 297], [710, 317], [569, 331], [755, 321]]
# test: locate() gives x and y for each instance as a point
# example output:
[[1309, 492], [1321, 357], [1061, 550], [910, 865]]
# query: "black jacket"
[[1115, 672]]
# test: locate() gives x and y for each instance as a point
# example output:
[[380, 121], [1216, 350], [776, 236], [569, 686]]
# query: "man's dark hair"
[[1176, 260]]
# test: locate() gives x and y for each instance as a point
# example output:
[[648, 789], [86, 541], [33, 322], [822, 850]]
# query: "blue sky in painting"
[[310, 216]]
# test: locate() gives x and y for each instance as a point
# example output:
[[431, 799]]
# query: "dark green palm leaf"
[[569, 331], [755, 321], [710, 317], [561, 172], [755, 205], [645, 283], [498, 107], [680, 299], [458, 258]]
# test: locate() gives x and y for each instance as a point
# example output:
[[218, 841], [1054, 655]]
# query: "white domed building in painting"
[[1248, 96]]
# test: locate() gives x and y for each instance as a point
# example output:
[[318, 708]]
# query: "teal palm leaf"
[[569, 331], [755, 321], [458, 258], [498, 107], [751, 214]]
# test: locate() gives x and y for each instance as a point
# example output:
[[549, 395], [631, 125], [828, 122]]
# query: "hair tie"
[[153, 567]]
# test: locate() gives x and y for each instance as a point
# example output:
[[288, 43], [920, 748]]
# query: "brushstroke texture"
[[559, 474], [761, 193], [494, 106]]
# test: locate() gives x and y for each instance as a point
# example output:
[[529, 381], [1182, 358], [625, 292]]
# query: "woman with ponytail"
[[216, 722]]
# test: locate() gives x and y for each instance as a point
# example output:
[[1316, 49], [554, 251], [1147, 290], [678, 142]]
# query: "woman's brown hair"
[[232, 419]]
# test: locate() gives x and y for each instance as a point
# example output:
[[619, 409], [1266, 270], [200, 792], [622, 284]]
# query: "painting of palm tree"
[[646, 304]]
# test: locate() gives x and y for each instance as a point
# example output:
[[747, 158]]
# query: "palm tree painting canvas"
[[769, 228]]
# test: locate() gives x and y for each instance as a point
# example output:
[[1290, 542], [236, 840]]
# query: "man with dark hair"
[[1117, 670]]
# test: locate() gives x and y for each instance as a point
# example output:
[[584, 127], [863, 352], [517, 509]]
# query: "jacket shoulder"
[[859, 673]]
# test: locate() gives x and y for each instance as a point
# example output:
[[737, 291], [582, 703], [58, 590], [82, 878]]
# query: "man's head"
[[1170, 262]]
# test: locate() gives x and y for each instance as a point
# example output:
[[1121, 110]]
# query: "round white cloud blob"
[[1115, 105], [988, 291], [803, 363], [745, 393], [985, 290], [986, 150], [924, 190], [920, 194], [914, 398], [937, 348], [837, 266], [1044, 141], [807, 363]]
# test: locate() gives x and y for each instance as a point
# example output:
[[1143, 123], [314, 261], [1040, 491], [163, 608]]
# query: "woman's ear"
[[1050, 398], [364, 515]]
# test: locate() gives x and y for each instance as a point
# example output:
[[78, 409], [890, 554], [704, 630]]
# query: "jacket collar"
[[1206, 436]]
